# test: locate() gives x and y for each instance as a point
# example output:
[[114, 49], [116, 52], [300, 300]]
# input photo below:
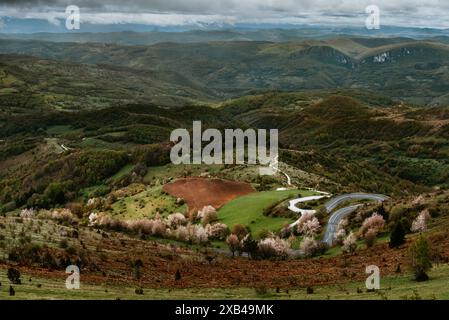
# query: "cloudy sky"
[[414, 13]]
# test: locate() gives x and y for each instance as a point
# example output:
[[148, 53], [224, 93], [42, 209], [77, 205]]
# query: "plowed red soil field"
[[200, 192]]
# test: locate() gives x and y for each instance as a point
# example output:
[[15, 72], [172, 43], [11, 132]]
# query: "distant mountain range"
[[146, 35], [407, 70]]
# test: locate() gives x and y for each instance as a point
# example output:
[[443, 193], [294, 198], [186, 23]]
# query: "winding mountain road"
[[340, 214], [335, 202], [337, 216]]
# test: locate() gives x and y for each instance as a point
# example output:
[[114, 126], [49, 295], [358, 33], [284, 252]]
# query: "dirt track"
[[200, 192]]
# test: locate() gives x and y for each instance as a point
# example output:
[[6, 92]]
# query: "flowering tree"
[[308, 224], [176, 219], [376, 223], [371, 228], [182, 234], [350, 243], [270, 247], [420, 223], [217, 230], [340, 233], [206, 210], [233, 243]]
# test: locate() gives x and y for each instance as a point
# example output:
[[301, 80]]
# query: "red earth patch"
[[200, 192]]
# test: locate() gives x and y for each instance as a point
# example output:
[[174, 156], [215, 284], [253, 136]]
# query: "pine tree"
[[397, 236]]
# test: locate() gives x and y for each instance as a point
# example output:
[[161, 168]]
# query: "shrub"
[[312, 248], [27, 213], [177, 275], [397, 236], [420, 258], [14, 276], [64, 215], [249, 245], [308, 246], [143, 226]]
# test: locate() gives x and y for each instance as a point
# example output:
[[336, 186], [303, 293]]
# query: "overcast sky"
[[413, 13]]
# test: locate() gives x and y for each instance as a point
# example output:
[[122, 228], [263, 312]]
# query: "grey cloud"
[[433, 11]]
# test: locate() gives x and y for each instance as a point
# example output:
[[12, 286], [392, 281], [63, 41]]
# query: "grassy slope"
[[146, 204], [395, 287], [248, 210]]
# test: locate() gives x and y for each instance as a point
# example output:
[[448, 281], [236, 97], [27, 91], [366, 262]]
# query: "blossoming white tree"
[[420, 223], [350, 243]]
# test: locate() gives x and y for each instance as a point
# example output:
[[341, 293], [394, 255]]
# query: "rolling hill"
[[412, 71]]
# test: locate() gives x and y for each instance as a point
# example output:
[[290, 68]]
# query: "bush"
[[249, 245], [14, 276], [420, 258], [397, 237], [312, 248]]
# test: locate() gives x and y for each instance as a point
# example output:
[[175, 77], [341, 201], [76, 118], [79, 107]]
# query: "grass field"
[[146, 204], [248, 210], [401, 287]]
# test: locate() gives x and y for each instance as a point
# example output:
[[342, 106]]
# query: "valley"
[[86, 177]]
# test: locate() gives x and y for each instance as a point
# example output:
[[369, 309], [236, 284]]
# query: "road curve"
[[340, 214], [336, 201], [334, 220], [292, 206]]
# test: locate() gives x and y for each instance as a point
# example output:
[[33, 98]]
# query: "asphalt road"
[[340, 214], [336, 201], [334, 220]]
